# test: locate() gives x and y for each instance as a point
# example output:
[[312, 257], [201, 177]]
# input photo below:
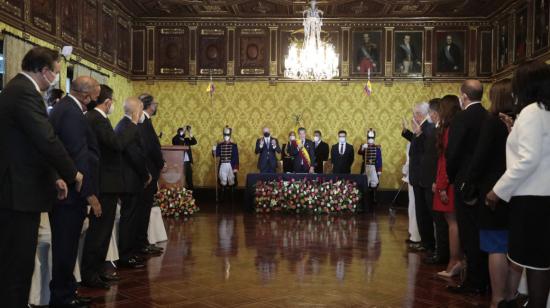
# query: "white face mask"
[[52, 83], [111, 109], [370, 141], [342, 140], [316, 139], [142, 118], [226, 138], [461, 103], [292, 138], [181, 133]]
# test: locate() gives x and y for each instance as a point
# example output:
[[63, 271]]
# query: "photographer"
[[185, 138]]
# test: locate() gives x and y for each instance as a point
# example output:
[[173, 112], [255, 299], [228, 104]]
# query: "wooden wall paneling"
[[212, 51], [388, 64], [138, 51], [123, 43], [485, 52], [108, 34], [193, 50], [231, 39], [151, 42], [42, 15], [91, 26], [520, 37], [430, 49], [273, 50], [13, 8], [172, 56], [472, 67], [253, 53], [69, 21], [344, 54]]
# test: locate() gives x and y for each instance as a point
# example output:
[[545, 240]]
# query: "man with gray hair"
[[136, 177], [422, 131]]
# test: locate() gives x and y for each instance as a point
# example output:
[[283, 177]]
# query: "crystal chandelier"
[[314, 59]]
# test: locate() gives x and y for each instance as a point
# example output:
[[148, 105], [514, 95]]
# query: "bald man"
[[66, 217], [463, 138], [136, 178]]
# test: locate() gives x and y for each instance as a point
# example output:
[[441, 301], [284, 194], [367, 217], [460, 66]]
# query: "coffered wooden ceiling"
[[294, 8]]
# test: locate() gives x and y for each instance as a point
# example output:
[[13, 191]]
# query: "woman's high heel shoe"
[[457, 268]]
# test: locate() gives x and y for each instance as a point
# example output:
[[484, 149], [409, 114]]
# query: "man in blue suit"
[[67, 216], [267, 147]]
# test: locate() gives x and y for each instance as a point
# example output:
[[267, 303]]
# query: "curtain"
[[14, 51]]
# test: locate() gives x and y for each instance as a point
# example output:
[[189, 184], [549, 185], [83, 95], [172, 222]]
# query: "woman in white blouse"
[[526, 182]]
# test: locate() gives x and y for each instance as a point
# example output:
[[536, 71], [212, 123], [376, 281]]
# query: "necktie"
[[341, 149]]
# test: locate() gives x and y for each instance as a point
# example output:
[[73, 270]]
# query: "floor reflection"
[[225, 258]]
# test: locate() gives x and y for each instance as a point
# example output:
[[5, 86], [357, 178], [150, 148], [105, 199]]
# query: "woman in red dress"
[[444, 199]]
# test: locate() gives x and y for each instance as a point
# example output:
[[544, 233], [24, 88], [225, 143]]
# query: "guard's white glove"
[[214, 148], [365, 146]]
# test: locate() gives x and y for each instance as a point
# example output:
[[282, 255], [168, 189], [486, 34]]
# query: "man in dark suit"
[[111, 183], [136, 177], [463, 138], [321, 151], [342, 155], [300, 150], [155, 163], [67, 216], [267, 147], [186, 139], [33, 163], [420, 167], [449, 59]]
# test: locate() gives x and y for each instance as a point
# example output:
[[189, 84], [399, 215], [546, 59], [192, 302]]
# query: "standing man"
[[303, 151], [342, 155], [321, 151], [136, 177], [67, 216], [30, 158], [372, 163], [463, 137], [423, 131], [155, 163], [98, 235], [228, 152], [267, 147], [186, 139]]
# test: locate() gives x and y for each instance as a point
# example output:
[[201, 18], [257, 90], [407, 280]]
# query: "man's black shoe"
[[131, 263]]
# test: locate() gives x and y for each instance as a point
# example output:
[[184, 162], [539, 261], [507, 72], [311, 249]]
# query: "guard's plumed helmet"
[[371, 134], [227, 131]]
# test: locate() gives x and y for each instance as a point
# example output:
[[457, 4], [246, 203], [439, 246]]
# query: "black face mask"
[[266, 134]]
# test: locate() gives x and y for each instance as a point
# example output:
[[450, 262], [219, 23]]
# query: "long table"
[[253, 178]]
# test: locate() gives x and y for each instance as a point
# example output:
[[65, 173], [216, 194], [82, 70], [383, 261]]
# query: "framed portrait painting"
[[408, 56], [367, 52]]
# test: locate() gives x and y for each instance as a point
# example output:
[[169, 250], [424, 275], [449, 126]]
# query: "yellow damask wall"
[[248, 106]]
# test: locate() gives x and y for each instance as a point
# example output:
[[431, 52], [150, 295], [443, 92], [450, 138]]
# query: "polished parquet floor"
[[224, 257]]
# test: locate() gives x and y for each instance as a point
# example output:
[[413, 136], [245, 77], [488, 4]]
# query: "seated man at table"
[[342, 155], [303, 151]]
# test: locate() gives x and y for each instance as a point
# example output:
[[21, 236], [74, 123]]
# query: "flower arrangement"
[[176, 202], [307, 196]]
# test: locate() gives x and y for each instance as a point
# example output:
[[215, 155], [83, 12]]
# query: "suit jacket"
[[288, 160], [310, 147], [463, 139], [422, 156], [341, 163], [268, 154], [187, 141], [110, 148], [151, 144], [488, 164], [134, 169], [70, 125], [321, 155], [31, 155]]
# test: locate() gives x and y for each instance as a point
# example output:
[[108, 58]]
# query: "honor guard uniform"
[[228, 153], [372, 162]]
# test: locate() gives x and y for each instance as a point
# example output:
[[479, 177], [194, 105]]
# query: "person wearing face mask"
[[185, 138], [34, 163], [321, 151], [267, 147], [67, 216], [372, 162], [155, 163], [342, 155], [99, 232], [464, 133], [228, 153], [303, 151], [288, 160]]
